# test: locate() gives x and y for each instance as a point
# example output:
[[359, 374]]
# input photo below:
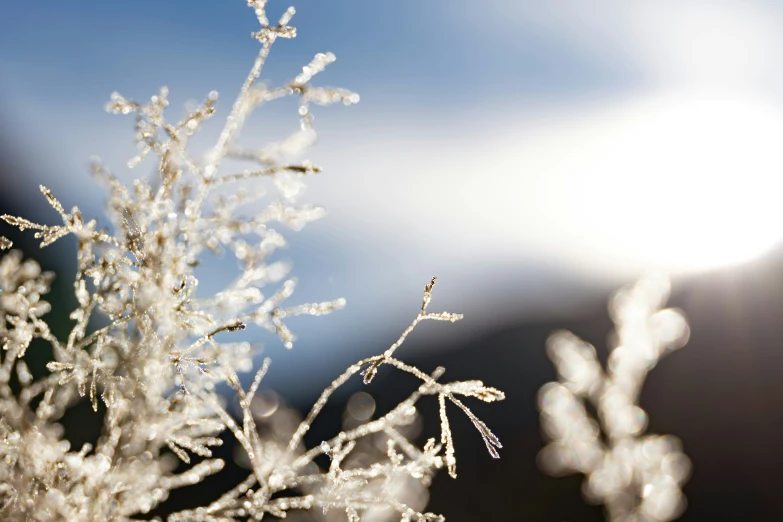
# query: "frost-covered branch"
[[162, 346], [280, 468], [637, 477]]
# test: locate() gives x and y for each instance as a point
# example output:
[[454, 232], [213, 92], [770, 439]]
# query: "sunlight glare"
[[686, 184]]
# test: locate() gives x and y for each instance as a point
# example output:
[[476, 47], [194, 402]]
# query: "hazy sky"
[[524, 151]]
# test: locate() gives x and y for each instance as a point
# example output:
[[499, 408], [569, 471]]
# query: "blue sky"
[[529, 153], [407, 47]]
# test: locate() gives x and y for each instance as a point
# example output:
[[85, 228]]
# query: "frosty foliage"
[[152, 348], [637, 477]]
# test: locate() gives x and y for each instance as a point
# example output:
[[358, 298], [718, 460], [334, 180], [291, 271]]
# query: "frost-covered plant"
[[637, 477], [153, 349]]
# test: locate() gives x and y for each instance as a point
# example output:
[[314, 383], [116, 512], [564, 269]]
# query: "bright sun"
[[684, 184]]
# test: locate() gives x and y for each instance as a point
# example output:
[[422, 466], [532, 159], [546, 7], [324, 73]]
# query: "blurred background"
[[532, 155]]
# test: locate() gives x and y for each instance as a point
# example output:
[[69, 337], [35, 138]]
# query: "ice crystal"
[[165, 346], [637, 477], [280, 465]]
